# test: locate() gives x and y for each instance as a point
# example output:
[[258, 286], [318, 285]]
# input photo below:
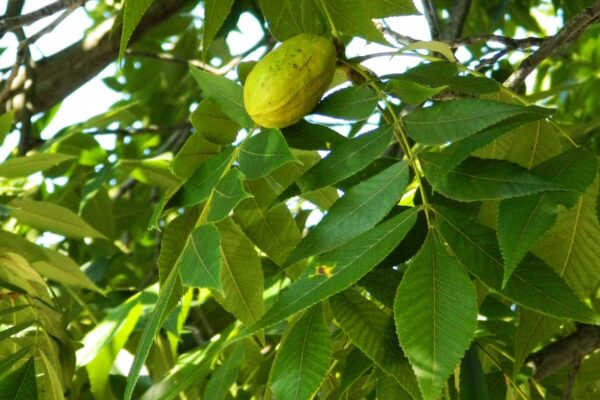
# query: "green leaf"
[[212, 123], [356, 365], [215, 13], [355, 20], [6, 121], [272, 230], [359, 210], [201, 183], [412, 92], [288, 18], [346, 265], [153, 172], [458, 119], [387, 388], [347, 159], [354, 103], [263, 153], [8, 332], [241, 274], [64, 270], [303, 357], [201, 259], [7, 362], [52, 217], [25, 166], [194, 152], [391, 8], [436, 315], [455, 153], [533, 284], [473, 385], [571, 247], [532, 329], [132, 14], [521, 221], [225, 375], [484, 179], [372, 331], [307, 136], [20, 384], [228, 193], [226, 93], [150, 331]]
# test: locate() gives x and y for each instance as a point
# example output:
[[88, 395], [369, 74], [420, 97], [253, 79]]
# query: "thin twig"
[[9, 24], [432, 19], [504, 40], [459, 13], [572, 29], [138, 131], [485, 62]]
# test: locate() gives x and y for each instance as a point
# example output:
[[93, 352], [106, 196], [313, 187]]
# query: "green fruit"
[[288, 82]]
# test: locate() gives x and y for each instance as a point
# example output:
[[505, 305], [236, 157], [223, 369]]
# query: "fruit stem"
[[400, 135]]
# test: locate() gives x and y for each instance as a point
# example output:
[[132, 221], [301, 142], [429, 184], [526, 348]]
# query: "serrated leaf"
[[533, 284], [387, 388], [263, 153], [307, 136], [273, 230], [346, 159], [360, 209], [52, 217], [354, 103], [288, 18], [458, 119], [226, 93], [436, 315], [303, 357], [455, 153], [241, 274], [347, 265], [194, 152], [228, 193], [215, 13], [20, 384], [132, 14], [355, 20], [412, 92], [484, 179], [225, 375], [205, 178], [201, 259], [571, 247], [25, 166], [522, 220], [212, 123], [372, 331]]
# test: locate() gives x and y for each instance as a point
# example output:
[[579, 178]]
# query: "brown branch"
[[8, 24], [504, 40], [432, 19], [572, 29], [458, 14], [84, 59], [568, 350]]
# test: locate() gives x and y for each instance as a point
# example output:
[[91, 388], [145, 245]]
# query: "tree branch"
[[8, 23], [84, 59], [458, 14], [567, 34], [432, 19], [568, 350]]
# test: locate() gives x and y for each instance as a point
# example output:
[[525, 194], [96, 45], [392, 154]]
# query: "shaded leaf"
[[201, 259], [7, 362], [303, 357], [194, 152], [355, 20], [132, 14], [225, 375], [532, 329], [226, 93], [484, 179], [346, 159], [412, 92], [346, 265], [353, 103], [436, 315], [359, 210], [288, 18], [228, 193], [307, 136], [52, 217], [215, 13], [20, 384], [372, 331], [6, 121], [25, 166], [458, 119], [357, 364], [473, 385], [153, 172], [263, 153], [212, 123]]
